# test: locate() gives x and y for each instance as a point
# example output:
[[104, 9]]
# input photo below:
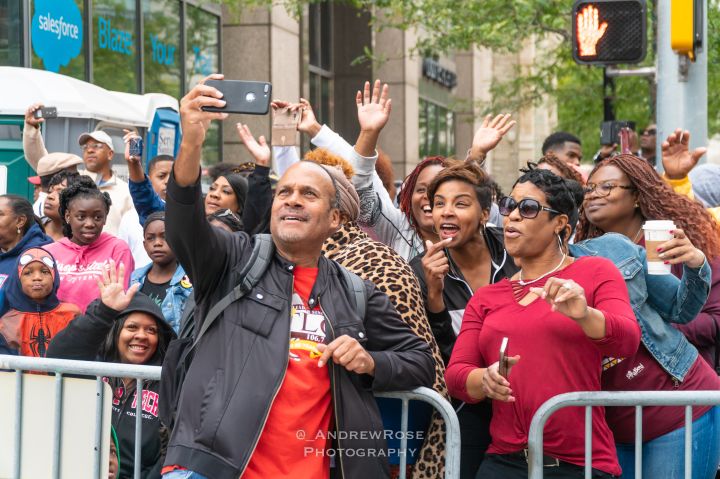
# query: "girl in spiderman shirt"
[[36, 314]]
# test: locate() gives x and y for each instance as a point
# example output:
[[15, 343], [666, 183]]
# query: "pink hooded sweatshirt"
[[80, 267]]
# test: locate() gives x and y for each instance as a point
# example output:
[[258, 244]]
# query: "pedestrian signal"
[[686, 26], [606, 32]]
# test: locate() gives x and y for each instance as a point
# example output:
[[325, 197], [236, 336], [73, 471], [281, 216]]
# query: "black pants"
[[474, 436], [500, 466]]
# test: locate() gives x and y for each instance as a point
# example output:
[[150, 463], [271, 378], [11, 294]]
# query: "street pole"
[[681, 85]]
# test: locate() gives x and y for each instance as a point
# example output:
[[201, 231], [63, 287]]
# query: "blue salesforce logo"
[[57, 32]]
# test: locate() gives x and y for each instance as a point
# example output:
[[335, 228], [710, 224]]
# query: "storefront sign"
[[57, 32], [162, 53], [114, 39], [432, 70]]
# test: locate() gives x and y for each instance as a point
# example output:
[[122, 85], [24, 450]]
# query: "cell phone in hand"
[[248, 97], [503, 366], [284, 129], [47, 112], [136, 146]]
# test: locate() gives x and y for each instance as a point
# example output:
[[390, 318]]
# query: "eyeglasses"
[[604, 189], [94, 146], [528, 208], [650, 131]]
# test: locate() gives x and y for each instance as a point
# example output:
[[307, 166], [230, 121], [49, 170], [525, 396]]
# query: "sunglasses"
[[528, 208], [650, 131]]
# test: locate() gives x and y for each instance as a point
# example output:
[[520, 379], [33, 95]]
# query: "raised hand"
[[490, 133], [129, 135], [112, 289], [589, 31], [196, 121], [373, 110], [30, 115], [308, 122], [676, 156], [680, 249], [565, 296], [259, 148]]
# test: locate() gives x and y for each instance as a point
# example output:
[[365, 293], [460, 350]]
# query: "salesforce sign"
[[57, 32]]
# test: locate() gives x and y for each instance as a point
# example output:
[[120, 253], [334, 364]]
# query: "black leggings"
[[499, 466]]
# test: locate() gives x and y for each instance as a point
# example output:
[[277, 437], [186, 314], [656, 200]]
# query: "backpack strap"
[[254, 269], [355, 289]]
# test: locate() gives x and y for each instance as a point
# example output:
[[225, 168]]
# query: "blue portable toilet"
[[163, 137]]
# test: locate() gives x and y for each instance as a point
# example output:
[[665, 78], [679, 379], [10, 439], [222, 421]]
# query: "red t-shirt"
[[642, 373], [294, 440], [556, 357]]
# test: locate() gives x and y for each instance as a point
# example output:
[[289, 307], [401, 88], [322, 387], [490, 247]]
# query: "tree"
[[505, 27]]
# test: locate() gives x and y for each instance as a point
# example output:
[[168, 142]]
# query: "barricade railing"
[[100, 370], [638, 399]]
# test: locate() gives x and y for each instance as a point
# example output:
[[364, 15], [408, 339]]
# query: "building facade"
[[321, 54]]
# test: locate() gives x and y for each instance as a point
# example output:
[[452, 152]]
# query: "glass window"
[[437, 130], [11, 33], [115, 63], [57, 36], [321, 67], [161, 25], [203, 52]]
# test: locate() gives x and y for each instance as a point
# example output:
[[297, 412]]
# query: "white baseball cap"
[[99, 136]]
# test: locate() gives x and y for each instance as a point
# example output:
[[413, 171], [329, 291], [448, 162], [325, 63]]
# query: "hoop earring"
[[560, 244]]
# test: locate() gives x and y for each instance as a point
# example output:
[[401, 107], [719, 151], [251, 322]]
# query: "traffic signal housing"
[[686, 26], [608, 32]]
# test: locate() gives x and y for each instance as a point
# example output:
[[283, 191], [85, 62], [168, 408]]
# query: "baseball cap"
[[99, 136], [54, 162]]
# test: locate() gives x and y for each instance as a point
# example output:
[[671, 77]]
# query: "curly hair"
[[566, 171], [469, 173], [68, 177], [82, 187], [563, 195], [324, 157], [408, 187], [658, 201]]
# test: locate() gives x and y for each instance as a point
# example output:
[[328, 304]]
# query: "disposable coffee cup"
[[656, 233]]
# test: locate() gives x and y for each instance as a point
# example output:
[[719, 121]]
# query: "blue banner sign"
[[57, 32]]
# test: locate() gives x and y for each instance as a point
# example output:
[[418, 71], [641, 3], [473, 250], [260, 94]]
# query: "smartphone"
[[136, 146], [503, 365], [284, 128], [249, 97], [610, 131], [46, 112]]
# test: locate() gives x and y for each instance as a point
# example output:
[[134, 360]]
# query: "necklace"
[[637, 235], [525, 283]]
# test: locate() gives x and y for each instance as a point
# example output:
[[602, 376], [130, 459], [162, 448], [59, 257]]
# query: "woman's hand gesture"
[[259, 148], [112, 290], [681, 250], [564, 296]]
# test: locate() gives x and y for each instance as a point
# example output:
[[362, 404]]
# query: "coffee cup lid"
[[659, 225]]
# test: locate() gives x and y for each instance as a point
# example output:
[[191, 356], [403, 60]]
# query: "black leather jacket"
[[240, 363]]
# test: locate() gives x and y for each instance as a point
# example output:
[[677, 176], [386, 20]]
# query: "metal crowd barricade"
[[100, 370], [639, 399]]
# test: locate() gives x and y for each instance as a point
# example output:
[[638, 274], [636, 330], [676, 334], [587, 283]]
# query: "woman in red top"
[[561, 316]]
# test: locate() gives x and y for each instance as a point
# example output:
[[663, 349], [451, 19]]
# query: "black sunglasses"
[[528, 208]]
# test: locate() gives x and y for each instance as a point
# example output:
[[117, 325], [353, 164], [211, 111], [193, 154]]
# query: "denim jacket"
[[657, 300], [177, 293]]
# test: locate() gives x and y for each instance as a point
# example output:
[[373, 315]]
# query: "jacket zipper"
[[334, 396], [277, 390]]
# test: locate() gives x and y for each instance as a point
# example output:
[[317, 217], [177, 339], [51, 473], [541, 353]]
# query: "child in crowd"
[[51, 220], [36, 315], [86, 250], [163, 280]]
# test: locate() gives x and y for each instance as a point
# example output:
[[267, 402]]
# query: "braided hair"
[[406, 193], [82, 187], [562, 194], [566, 171], [658, 201]]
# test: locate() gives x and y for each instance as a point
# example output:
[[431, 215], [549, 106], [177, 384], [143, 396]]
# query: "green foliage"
[[506, 27]]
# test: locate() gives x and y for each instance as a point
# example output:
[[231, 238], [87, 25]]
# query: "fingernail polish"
[[659, 250], [666, 262]]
